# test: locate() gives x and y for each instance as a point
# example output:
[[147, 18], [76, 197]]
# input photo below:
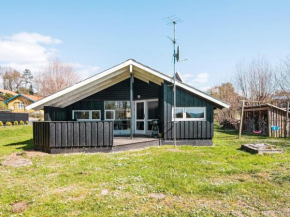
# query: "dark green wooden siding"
[[186, 129]]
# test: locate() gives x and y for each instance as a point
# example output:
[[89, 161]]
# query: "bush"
[[15, 123], [8, 123], [27, 122], [21, 122], [1, 123]]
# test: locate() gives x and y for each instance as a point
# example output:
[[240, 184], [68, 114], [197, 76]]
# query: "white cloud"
[[199, 80], [202, 78], [32, 51], [33, 38], [27, 50]]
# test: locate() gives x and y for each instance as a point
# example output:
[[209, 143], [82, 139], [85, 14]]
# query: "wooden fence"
[[189, 130], [66, 137], [11, 117]]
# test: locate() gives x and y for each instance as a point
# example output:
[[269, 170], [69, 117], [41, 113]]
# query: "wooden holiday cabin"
[[122, 101], [269, 119]]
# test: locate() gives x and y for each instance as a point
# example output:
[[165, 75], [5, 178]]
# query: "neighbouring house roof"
[[111, 77], [32, 98], [8, 91]]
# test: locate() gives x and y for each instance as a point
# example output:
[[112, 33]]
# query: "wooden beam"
[[241, 121], [140, 78], [84, 95], [148, 78], [72, 93], [148, 75]]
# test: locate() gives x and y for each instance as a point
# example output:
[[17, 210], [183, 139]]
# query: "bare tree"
[[255, 80], [55, 77], [11, 79], [283, 78]]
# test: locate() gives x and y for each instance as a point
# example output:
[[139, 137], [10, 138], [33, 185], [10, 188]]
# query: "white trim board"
[[105, 75]]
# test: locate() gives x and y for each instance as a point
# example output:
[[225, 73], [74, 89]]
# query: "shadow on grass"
[[26, 145]]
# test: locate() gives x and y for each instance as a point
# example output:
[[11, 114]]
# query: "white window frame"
[[90, 115], [110, 110], [184, 114]]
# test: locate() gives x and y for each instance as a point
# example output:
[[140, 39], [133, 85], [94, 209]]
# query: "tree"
[[227, 93], [283, 78], [11, 79], [27, 77], [255, 80], [55, 77]]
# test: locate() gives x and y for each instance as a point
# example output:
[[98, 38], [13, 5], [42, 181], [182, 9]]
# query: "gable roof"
[[29, 97], [8, 91], [110, 77]]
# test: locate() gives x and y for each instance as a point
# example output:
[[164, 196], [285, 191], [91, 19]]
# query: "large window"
[[190, 113], [87, 115], [120, 112]]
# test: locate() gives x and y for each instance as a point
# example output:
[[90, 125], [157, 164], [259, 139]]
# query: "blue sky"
[[96, 35]]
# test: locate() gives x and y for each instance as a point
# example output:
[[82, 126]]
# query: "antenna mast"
[[173, 20]]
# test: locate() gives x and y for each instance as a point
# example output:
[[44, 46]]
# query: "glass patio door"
[[140, 117]]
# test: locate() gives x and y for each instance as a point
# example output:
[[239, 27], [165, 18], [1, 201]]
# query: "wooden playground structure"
[[264, 119]]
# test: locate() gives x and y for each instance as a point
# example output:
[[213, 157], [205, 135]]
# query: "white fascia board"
[[76, 86], [191, 89]]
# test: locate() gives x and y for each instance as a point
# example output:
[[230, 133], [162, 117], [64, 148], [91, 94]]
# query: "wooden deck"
[[126, 143]]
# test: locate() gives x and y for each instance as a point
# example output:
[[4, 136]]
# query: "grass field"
[[158, 181]]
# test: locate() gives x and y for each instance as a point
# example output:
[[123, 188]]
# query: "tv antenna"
[[173, 20]]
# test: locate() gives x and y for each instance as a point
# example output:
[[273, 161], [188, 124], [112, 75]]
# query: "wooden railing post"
[[241, 121]]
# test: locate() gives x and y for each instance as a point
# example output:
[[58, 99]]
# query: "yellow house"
[[19, 102]]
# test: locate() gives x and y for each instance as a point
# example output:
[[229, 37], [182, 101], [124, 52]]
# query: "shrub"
[[8, 123], [1, 123], [15, 123], [21, 122], [27, 122]]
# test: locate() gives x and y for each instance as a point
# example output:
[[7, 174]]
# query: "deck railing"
[[72, 136]]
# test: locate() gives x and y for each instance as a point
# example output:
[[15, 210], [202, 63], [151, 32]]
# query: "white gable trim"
[[52, 99]]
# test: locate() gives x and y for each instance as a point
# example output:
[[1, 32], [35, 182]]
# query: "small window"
[[190, 113], [20, 106], [96, 115], [81, 115], [109, 114], [179, 112]]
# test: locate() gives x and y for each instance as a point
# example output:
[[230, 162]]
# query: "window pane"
[[195, 112], [178, 113], [109, 114], [96, 115], [122, 125], [140, 125], [153, 110], [122, 114], [140, 110], [81, 115], [113, 105]]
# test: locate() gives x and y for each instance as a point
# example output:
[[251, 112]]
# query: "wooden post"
[[131, 99], [286, 121], [241, 121], [269, 122]]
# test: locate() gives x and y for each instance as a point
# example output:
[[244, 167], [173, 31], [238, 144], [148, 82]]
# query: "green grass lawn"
[[191, 181]]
